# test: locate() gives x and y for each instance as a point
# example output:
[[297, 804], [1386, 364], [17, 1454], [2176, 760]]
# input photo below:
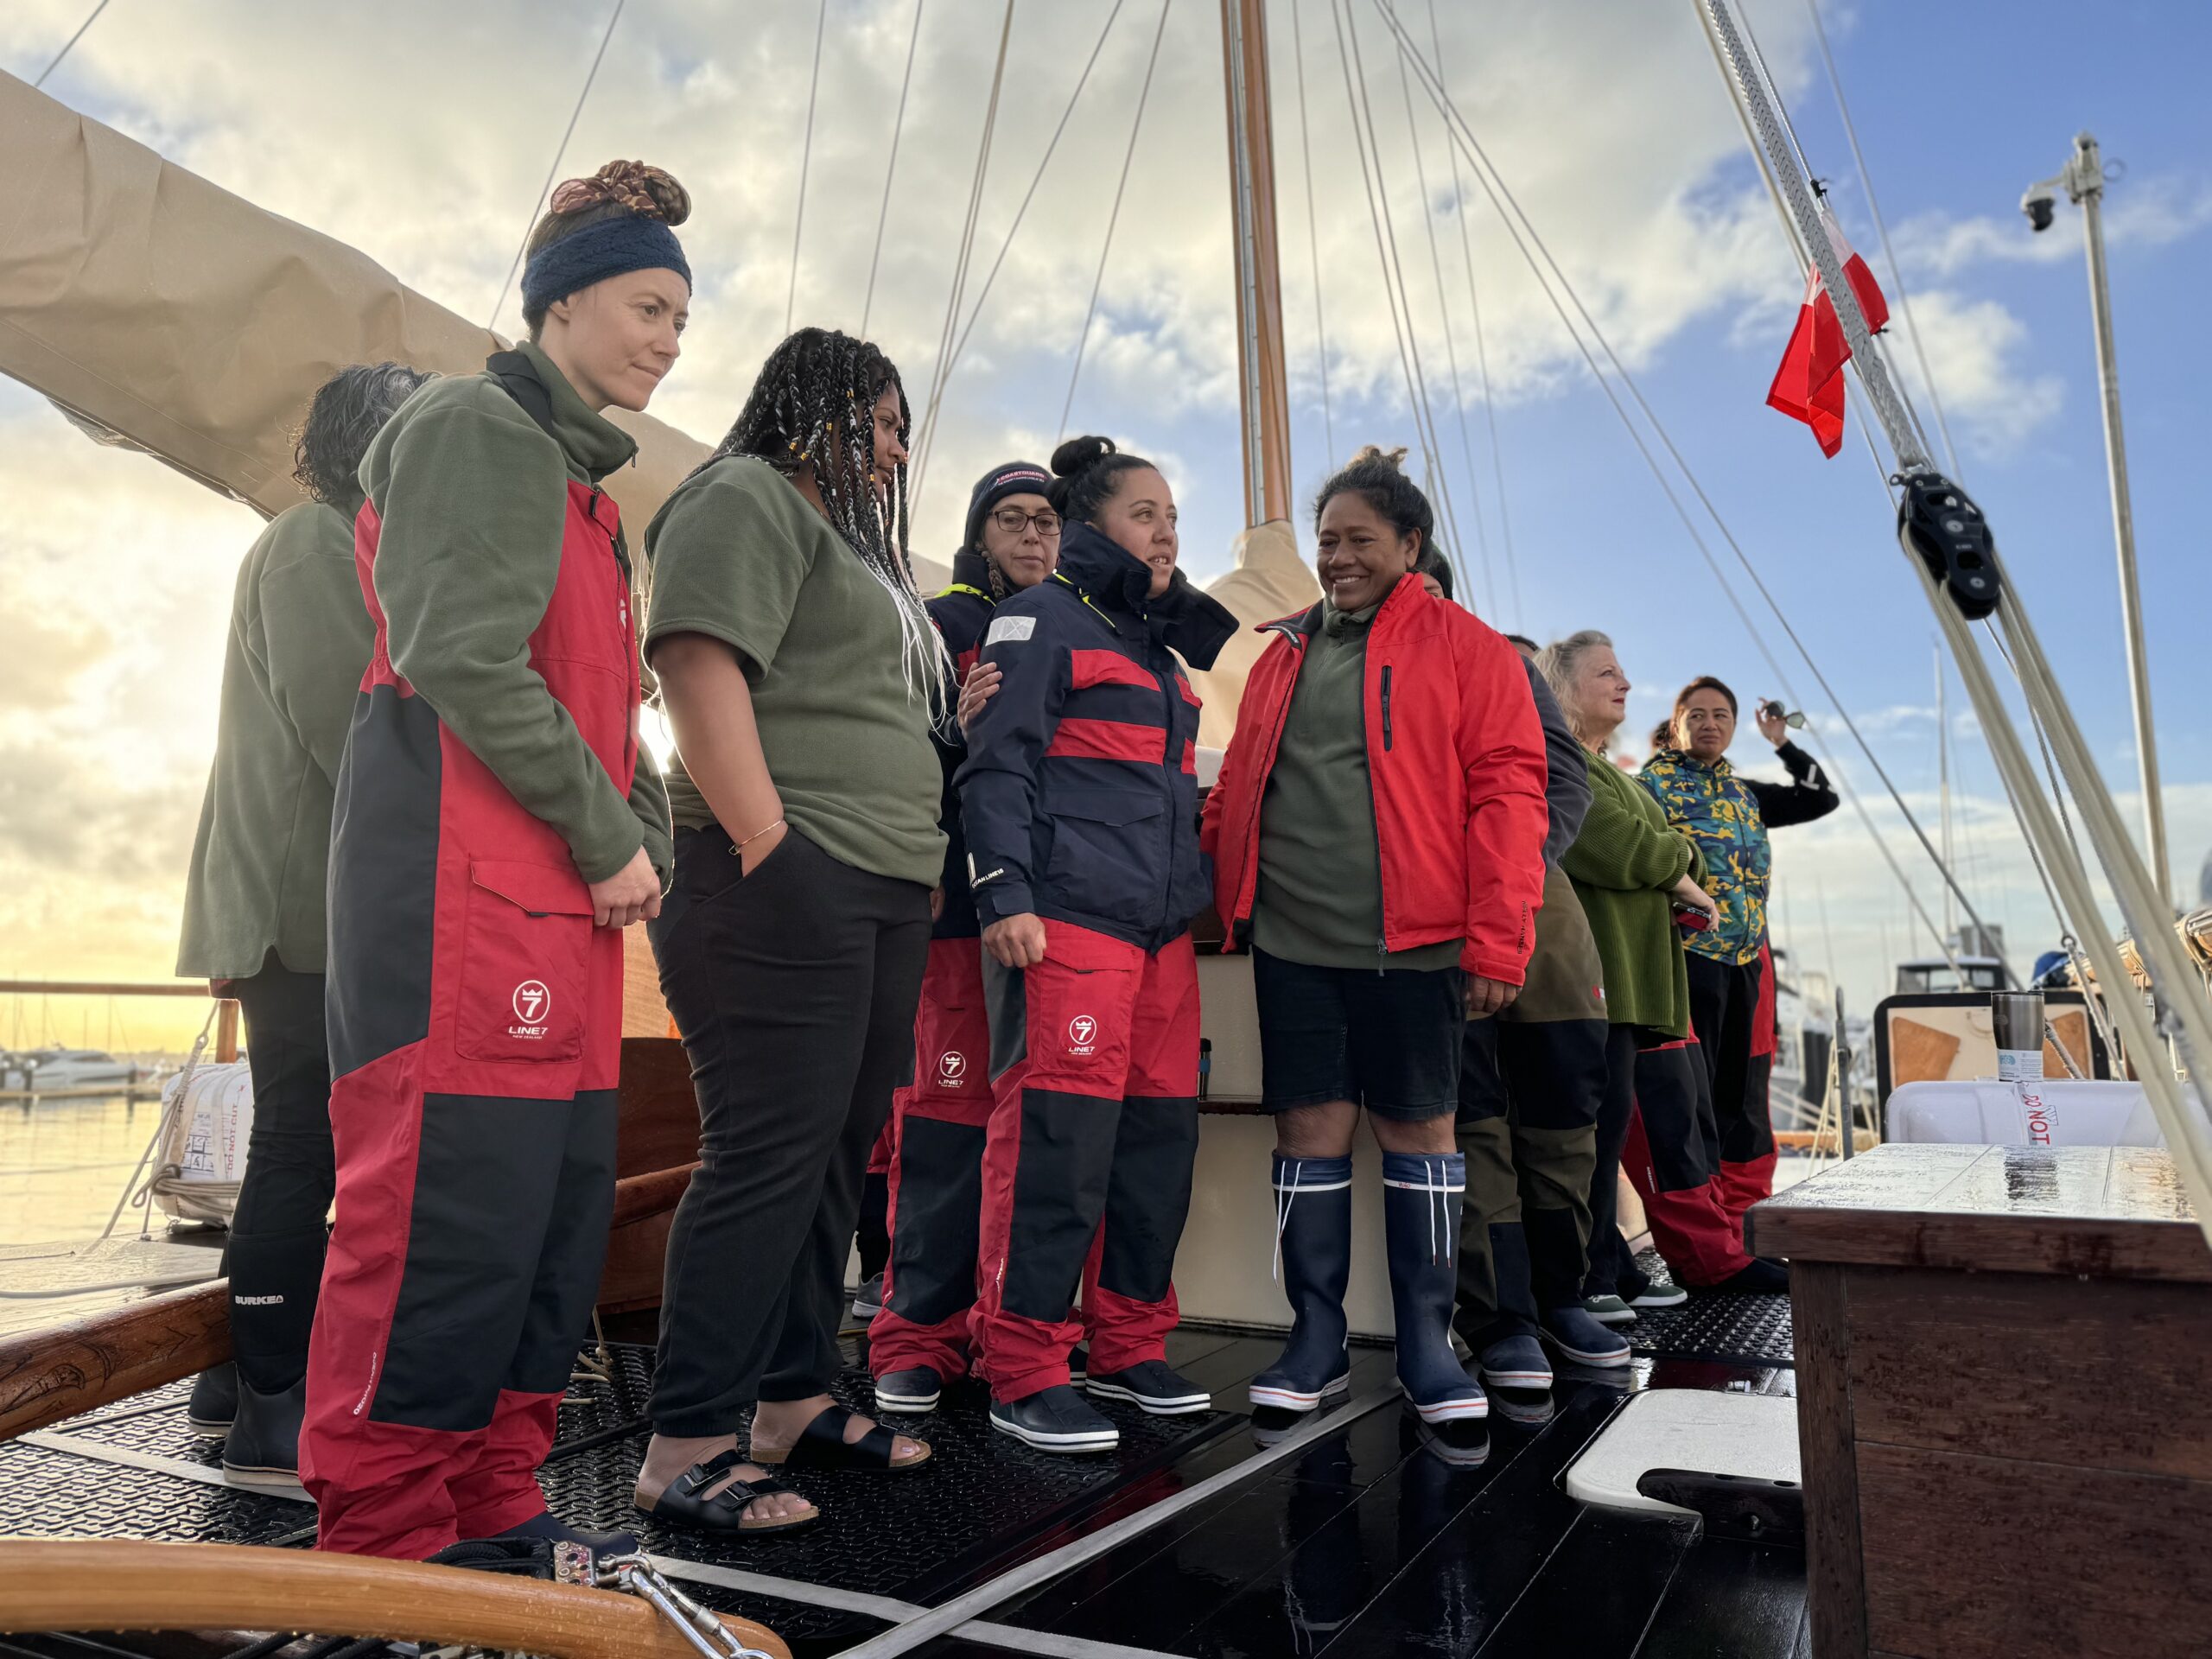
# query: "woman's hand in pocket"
[[1017, 941], [631, 894], [750, 855]]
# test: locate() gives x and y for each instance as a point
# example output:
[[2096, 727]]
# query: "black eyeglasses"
[[1013, 521]]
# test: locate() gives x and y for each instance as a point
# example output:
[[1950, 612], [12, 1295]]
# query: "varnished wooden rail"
[[59, 1372], [132, 1585]]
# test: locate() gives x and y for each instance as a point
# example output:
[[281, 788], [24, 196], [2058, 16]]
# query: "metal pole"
[[2085, 182], [1263, 387], [1842, 1065], [1943, 798]]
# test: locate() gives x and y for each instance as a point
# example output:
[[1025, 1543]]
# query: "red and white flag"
[[1808, 386]]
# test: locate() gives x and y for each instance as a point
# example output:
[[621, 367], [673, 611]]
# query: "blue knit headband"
[[610, 248]]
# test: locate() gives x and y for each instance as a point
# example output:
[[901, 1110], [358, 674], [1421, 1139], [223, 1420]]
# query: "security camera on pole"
[[2084, 181]]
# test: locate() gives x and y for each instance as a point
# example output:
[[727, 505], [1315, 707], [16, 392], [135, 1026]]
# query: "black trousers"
[[794, 989], [1610, 1261], [278, 1231], [1724, 1011]]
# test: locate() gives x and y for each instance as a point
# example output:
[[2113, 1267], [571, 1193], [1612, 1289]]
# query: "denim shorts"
[[1388, 1041]]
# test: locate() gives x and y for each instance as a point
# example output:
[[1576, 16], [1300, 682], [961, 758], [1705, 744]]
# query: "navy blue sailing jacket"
[[960, 613], [1079, 794]]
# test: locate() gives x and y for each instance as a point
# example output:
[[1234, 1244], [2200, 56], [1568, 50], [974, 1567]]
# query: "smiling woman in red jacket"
[[1377, 835]]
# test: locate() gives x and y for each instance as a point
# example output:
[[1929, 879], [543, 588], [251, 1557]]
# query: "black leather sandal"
[[822, 1444], [725, 1510]]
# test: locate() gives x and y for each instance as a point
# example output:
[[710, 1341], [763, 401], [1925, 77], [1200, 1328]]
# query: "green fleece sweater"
[[299, 639], [473, 495], [739, 555], [1319, 897], [1622, 865]]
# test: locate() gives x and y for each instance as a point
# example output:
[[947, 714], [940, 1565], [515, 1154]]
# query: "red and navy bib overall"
[[935, 1134], [476, 1026]]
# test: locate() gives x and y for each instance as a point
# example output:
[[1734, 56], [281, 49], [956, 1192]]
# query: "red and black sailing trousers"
[[1747, 1135], [1673, 1159], [1087, 1161], [475, 1024], [937, 1125]]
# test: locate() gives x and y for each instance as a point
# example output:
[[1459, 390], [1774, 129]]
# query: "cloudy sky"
[[420, 133]]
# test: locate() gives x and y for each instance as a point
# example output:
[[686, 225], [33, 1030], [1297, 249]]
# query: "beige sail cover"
[[185, 321]]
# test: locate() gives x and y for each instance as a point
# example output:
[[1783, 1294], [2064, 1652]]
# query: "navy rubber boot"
[[1422, 1194], [1313, 1234]]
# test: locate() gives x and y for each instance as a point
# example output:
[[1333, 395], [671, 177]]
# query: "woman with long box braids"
[[1080, 797], [800, 674], [920, 1336], [495, 830], [1377, 835]]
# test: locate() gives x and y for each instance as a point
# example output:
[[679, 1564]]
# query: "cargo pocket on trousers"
[[525, 941]]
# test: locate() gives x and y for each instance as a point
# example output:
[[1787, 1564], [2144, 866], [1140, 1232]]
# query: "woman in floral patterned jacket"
[[1728, 816]]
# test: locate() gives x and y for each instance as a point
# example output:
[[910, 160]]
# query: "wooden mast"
[[1263, 392]]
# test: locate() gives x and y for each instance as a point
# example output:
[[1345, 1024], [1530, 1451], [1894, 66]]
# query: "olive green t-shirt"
[[1319, 899], [738, 554]]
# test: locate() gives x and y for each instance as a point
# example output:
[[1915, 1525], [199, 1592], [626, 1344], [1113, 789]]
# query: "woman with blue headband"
[[496, 827]]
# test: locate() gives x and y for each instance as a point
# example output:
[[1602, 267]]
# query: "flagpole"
[[2084, 181]]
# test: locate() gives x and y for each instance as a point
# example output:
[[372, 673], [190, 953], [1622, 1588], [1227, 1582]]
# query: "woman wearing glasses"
[[919, 1340], [1728, 816]]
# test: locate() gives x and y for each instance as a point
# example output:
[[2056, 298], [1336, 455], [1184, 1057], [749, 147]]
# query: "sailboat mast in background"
[[1263, 388]]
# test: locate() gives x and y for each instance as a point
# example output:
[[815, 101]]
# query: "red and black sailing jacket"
[[962, 611], [1079, 794], [1455, 758]]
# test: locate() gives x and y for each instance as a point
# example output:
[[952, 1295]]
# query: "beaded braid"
[[813, 404]]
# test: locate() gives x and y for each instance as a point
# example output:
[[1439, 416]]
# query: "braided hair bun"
[[647, 191], [1377, 456], [1377, 476], [1085, 471]]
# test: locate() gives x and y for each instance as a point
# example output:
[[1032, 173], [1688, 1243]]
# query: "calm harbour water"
[[64, 1163]]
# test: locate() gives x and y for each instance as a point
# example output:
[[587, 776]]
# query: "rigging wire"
[[1313, 238], [891, 169], [1494, 184], [983, 293], [69, 45], [1882, 229], [1482, 353], [1098, 277], [967, 248], [552, 172], [1451, 350], [805, 161], [1386, 249]]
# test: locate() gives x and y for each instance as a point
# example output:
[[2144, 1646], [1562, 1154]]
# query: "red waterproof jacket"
[[1455, 757]]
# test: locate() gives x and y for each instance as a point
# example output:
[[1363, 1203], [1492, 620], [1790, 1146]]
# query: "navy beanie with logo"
[[1012, 477]]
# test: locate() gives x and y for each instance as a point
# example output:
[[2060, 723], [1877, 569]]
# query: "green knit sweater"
[[1622, 865]]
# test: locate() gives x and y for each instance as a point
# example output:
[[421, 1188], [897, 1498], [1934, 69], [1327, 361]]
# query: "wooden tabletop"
[[2107, 1212]]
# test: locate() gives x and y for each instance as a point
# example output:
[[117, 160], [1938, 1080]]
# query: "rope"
[[1882, 230], [805, 161], [1451, 350], [1313, 242], [69, 45], [568, 132], [1482, 354], [1098, 277], [974, 202], [982, 294], [1386, 249], [898, 126], [1493, 183]]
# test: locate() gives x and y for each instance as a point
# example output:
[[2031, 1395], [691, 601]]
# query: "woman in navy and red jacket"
[[920, 1337], [1377, 835], [1080, 797]]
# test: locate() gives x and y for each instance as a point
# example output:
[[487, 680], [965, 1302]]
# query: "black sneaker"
[[868, 1300], [262, 1448], [1761, 1276], [1055, 1420], [913, 1391], [1151, 1384], [1584, 1340], [214, 1401]]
